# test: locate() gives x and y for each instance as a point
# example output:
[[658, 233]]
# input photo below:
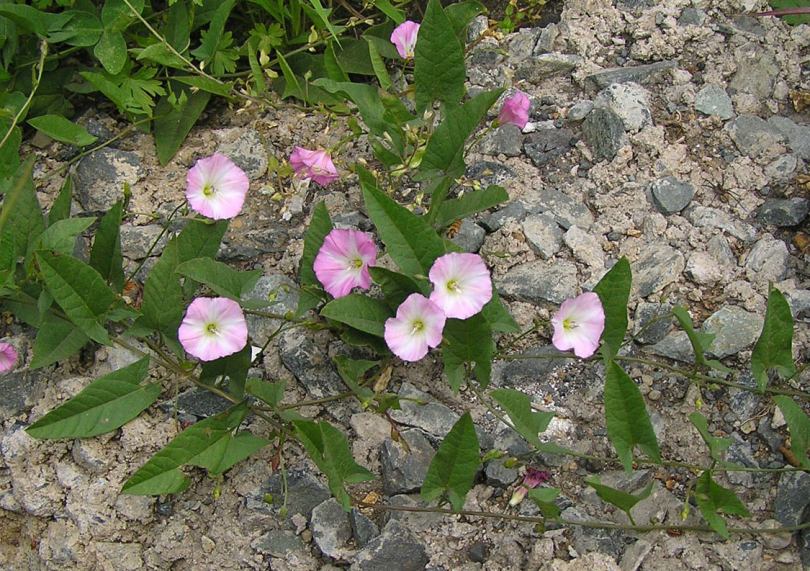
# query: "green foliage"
[[174, 121], [234, 368], [319, 227], [470, 203], [519, 408], [57, 339], [271, 393], [716, 445], [544, 498], [713, 499], [465, 342], [799, 426], [614, 291], [396, 287], [455, 464], [106, 256], [104, 405], [61, 129], [774, 348], [359, 311], [793, 19], [439, 70], [223, 280], [618, 498]]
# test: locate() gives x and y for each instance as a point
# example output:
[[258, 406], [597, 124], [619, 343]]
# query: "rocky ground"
[[672, 133]]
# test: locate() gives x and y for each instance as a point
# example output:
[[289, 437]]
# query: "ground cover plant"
[[428, 299]]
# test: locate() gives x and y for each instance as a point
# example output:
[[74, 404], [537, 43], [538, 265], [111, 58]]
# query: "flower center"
[[212, 329], [208, 190], [416, 326], [453, 286], [356, 263], [569, 324]]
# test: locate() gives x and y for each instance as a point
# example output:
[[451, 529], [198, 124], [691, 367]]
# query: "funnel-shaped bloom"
[[531, 480], [515, 110], [216, 187], [213, 327], [578, 325], [315, 165], [8, 357], [461, 284], [342, 262], [404, 38], [416, 328]]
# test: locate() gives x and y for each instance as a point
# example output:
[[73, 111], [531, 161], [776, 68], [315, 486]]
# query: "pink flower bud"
[[515, 110]]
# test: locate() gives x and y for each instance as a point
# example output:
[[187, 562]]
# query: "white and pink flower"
[[314, 165], [404, 38], [213, 327], [342, 262], [216, 187], [461, 284], [515, 110], [578, 325], [416, 329], [8, 357]]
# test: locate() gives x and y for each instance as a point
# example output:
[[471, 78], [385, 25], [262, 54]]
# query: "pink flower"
[[515, 110], [417, 327], [216, 187], [531, 480], [316, 165], [8, 357], [404, 38], [461, 284], [343, 260], [213, 327], [579, 324]]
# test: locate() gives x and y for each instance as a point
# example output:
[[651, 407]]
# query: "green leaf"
[[60, 209], [61, 129], [445, 150], [57, 339], [212, 36], [28, 18], [323, 15], [79, 290], [178, 26], [453, 468], [498, 316], [220, 277], [233, 367], [117, 15], [470, 203], [716, 445], [319, 227], [209, 444], [111, 51], [61, 236], [351, 371], [389, 10], [396, 287], [160, 53], [328, 448], [544, 499], [379, 67], [292, 88], [614, 291], [792, 19], [700, 341], [217, 87], [439, 71], [270, 393], [367, 99], [774, 348], [172, 124], [467, 341], [21, 211], [713, 499], [332, 66], [618, 498], [104, 405], [83, 29], [628, 423], [799, 426], [461, 14], [358, 311], [519, 408], [410, 240], [106, 256]]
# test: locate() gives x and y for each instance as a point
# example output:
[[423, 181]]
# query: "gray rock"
[[756, 71], [304, 491], [565, 210], [478, 26], [580, 110], [363, 529], [675, 346], [638, 74], [521, 44], [281, 296], [199, 402], [748, 24], [742, 453], [330, 528], [692, 17], [540, 281], [478, 552], [487, 173], [395, 548], [658, 266], [798, 136], [604, 132], [792, 498], [703, 269], [767, 261], [720, 251], [519, 373], [799, 300], [756, 137], [545, 43], [432, 417], [585, 247], [100, 177], [20, 390], [543, 234], [587, 540], [545, 145], [713, 100], [411, 520], [782, 168], [513, 211], [804, 547], [278, 543], [705, 217], [783, 211], [505, 140], [629, 101], [499, 475], [470, 236], [404, 470], [652, 322], [352, 220], [136, 240], [546, 65], [304, 355], [670, 195], [248, 152]]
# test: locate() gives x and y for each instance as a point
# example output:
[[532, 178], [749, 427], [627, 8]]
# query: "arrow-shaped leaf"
[[453, 469], [519, 408]]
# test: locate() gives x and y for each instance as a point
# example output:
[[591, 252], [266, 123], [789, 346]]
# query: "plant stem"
[[312, 402], [36, 77], [155, 243]]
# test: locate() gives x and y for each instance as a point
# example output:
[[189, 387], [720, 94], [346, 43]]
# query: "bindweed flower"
[[416, 328], [531, 480], [404, 38], [213, 327], [315, 165], [515, 110], [216, 187], [579, 324], [461, 284], [342, 262], [8, 357]]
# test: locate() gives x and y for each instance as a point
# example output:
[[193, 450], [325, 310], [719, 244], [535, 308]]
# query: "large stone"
[[280, 294], [756, 137], [798, 136], [305, 356], [540, 281], [136, 241], [705, 217], [522, 372], [658, 266], [703, 269], [543, 234], [713, 100], [330, 528], [767, 261], [470, 236], [395, 548], [546, 145], [506, 140], [546, 65], [652, 322], [589, 540], [586, 248], [248, 151], [513, 211], [565, 210], [420, 410], [604, 132], [101, 176], [20, 390], [756, 71], [363, 529], [487, 173], [792, 498], [734, 328], [580, 110], [670, 195], [638, 74], [629, 101], [404, 470], [304, 491], [278, 543]]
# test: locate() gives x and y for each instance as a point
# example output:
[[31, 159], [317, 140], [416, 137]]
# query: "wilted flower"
[[461, 284], [342, 262], [213, 327], [531, 480], [515, 110], [579, 324], [315, 165], [416, 328], [216, 187], [8, 357], [404, 38]]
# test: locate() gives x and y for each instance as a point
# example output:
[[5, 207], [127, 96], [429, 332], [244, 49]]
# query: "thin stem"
[[154, 244], [312, 402], [36, 77], [271, 315]]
